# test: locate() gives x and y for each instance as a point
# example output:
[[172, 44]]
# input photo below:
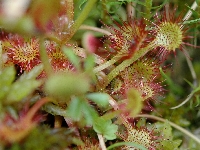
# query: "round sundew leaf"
[[169, 36], [64, 85]]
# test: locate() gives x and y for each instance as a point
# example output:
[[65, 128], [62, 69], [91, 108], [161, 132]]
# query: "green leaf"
[[89, 63], [72, 57], [169, 145], [7, 76], [166, 129], [65, 85], [33, 74], [106, 128], [21, 89], [89, 113], [82, 2], [79, 108], [192, 21], [100, 99], [168, 142], [24, 25], [75, 109]]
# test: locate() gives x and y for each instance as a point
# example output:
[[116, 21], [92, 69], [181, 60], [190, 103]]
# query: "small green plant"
[[95, 75]]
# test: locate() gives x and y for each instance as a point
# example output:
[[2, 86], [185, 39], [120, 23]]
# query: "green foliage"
[[192, 21], [167, 141], [89, 63], [7, 76], [106, 128], [21, 89], [72, 57], [12, 92], [101, 99], [63, 85], [79, 108]]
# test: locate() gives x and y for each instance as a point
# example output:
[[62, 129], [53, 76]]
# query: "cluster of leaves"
[[83, 90]]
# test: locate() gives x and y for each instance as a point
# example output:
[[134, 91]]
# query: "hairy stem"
[[107, 64], [126, 63]]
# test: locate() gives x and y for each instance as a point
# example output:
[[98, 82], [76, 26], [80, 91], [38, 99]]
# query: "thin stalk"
[[101, 142], [189, 13], [45, 58], [88, 7], [107, 64], [184, 102], [173, 125], [86, 27], [188, 98]]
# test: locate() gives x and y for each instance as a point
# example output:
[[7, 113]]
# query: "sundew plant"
[[99, 75]]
